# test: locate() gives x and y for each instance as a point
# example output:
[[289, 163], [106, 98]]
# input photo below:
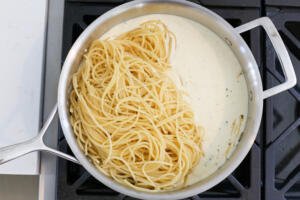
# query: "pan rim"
[[177, 194]]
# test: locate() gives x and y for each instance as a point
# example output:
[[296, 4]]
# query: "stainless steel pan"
[[210, 20]]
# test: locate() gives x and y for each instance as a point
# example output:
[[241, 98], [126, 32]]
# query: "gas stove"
[[271, 169]]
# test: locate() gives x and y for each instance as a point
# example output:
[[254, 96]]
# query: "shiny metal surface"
[[198, 14], [281, 51], [48, 163], [214, 23], [11, 152]]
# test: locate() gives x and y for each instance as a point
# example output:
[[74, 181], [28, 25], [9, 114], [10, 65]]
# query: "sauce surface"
[[205, 68]]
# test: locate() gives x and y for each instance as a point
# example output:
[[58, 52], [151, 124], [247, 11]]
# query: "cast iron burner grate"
[[247, 181], [282, 164]]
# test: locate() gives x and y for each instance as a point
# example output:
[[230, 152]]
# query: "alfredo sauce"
[[207, 70]]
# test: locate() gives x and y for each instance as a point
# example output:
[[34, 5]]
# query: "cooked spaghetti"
[[129, 117]]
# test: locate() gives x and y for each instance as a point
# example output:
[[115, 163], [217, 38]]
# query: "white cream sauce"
[[204, 66]]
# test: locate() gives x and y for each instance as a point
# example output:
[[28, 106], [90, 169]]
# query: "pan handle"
[[281, 51], [14, 151], [35, 144]]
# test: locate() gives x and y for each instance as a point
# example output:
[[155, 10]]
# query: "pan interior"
[[208, 20], [211, 79]]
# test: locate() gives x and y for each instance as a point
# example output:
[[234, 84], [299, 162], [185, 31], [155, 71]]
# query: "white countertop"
[[21, 187], [22, 37]]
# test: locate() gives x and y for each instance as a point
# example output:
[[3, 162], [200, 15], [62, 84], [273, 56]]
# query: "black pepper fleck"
[[240, 137]]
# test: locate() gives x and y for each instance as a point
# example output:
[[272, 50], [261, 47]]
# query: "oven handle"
[[281, 51], [37, 143]]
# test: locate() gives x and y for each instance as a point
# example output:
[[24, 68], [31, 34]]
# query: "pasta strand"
[[127, 114]]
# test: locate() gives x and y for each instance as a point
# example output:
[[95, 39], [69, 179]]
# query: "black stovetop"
[[271, 170]]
